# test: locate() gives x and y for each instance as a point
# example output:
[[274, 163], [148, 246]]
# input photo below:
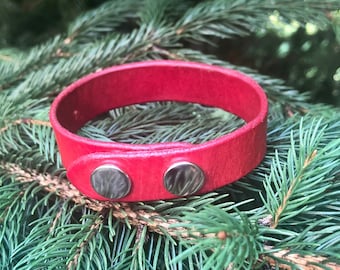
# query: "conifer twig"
[[140, 218], [65, 190], [295, 181], [6, 58], [93, 229], [162, 29], [307, 262], [26, 121]]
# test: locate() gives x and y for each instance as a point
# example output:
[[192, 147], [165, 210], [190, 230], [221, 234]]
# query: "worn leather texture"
[[223, 160]]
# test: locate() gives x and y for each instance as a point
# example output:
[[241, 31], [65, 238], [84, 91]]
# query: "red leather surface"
[[223, 160]]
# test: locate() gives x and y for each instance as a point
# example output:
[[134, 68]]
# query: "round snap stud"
[[110, 182], [184, 178]]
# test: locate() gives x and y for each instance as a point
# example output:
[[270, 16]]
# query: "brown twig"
[[289, 193], [151, 219], [55, 221], [307, 262], [93, 229], [25, 121], [166, 53], [6, 58], [64, 189]]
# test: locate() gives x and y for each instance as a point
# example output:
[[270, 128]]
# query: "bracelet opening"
[[158, 122]]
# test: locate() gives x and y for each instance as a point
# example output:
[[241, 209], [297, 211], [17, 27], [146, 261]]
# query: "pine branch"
[[301, 215], [7, 55], [157, 216], [107, 52], [233, 240], [101, 21], [121, 217], [285, 259], [12, 72], [290, 191], [86, 28], [121, 211], [45, 246], [332, 132], [13, 215], [45, 222], [91, 229], [18, 138], [228, 19], [142, 40], [221, 235], [299, 175], [137, 124], [11, 111], [26, 121]]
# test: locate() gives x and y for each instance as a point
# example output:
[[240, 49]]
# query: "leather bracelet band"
[[126, 172]]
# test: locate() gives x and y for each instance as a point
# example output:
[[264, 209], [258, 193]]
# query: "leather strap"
[[222, 160]]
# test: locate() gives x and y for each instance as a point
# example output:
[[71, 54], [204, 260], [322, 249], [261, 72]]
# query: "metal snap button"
[[184, 178], [110, 182]]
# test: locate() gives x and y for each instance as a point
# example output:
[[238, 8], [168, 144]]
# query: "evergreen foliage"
[[284, 214]]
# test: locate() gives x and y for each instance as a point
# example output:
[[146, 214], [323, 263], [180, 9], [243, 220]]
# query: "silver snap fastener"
[[184, 178], [110, 182]]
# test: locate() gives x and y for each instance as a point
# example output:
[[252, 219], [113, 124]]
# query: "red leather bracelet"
[[126, 172]]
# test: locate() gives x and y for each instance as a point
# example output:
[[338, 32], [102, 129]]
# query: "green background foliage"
[[307, 59], [288, 204]]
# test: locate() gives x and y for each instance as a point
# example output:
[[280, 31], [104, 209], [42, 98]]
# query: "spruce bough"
[[284, 214]]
